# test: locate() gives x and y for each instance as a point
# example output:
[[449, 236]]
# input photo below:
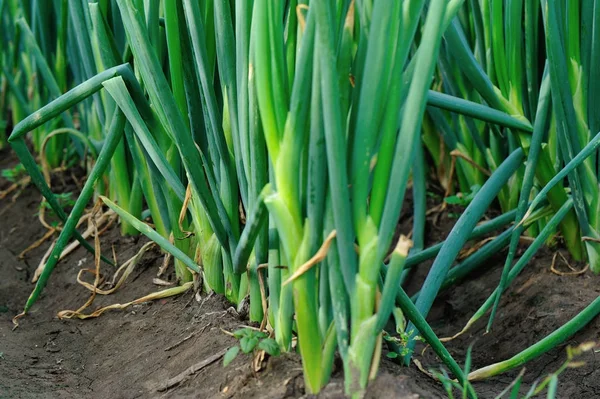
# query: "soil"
[[132, 353]]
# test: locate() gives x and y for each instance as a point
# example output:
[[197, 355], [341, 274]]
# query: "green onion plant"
[[271, 143]]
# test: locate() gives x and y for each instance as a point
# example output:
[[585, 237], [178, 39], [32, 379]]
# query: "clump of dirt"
[[135, 352]]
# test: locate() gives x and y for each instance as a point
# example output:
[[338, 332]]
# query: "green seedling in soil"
[[251, 340], [433, 195], [65, 200], [15, 174], [399, 343], [463, 199]]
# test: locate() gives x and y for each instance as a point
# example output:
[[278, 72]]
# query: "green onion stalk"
[[564, 126], [501, 83], [125, 186], [569, 98], [390, 153], [294, 196], [7, 36], [27, 55], [285, 100], [176, 141], [284, 118], [39, 49], [114, 136], [148, 135]]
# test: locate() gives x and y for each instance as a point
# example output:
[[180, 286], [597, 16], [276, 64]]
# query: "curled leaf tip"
[[15, 320]]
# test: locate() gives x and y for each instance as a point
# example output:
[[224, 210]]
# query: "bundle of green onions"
[[273, 141], [34, 69], [557, 91]]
